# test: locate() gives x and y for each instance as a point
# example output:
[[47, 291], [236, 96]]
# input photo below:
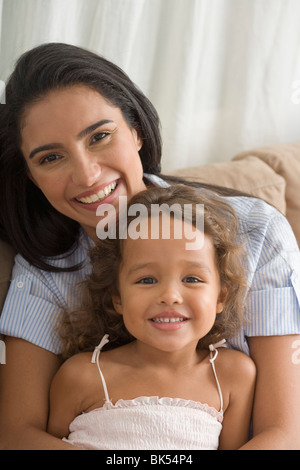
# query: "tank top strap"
[[95, 360], [213, 352]]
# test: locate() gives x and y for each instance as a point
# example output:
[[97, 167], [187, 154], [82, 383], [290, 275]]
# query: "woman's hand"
[[276, 413]]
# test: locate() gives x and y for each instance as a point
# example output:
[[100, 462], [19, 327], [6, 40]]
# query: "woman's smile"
[[103, 194], [98, 194]]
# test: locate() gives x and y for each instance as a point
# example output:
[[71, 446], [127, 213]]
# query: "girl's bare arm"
[[68, 392], [238, 380]]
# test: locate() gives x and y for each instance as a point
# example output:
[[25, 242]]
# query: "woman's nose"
[[85, 170]]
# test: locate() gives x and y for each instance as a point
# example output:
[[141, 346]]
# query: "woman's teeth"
[[167, 320], [100, 195]]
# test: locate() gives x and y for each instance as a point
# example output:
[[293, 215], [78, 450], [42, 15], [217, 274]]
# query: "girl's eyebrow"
[[191, 264], [138, 267], [81, 134], [199, 265]]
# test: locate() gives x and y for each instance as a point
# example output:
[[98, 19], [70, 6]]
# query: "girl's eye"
[[192, 279], [147, 280], [98, 137]]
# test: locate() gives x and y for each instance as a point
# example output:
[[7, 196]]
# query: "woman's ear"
[[138, 139], [221, 299], [116, 300]]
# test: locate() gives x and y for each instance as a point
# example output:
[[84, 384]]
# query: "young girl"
[[160, 307]]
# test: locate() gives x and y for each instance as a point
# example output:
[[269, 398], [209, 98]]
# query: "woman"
[[76, 133]]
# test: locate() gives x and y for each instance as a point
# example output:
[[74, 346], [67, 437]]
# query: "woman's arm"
[[276, 413], [24, 396]]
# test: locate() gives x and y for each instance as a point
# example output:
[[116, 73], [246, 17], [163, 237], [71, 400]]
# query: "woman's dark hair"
[[82, 329], [27, 220]]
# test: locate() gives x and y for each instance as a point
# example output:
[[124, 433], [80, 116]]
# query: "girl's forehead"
[[168, 259], [181, 248], [147, 225]]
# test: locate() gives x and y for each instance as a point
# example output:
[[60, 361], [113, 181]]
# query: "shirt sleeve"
[[272, 305], [37, 299], [33, 307]]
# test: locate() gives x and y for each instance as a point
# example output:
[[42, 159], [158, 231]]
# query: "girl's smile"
[[169, 320], [81, 152]]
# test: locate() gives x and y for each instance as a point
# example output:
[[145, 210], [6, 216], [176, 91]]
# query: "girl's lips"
[[169, 314], [170, 326], [168, 321], [112, 189]]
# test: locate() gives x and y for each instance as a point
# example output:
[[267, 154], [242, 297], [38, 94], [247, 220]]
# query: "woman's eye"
[[98, 137], [147, 280], [49, 159]]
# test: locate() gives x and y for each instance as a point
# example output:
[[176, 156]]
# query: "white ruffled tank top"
[[149, 423]]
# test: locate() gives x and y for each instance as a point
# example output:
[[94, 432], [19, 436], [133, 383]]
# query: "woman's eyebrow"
[[92, 128], [81, 134], [43, 148]]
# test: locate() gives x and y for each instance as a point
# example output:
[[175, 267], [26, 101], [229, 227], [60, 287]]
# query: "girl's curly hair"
[[82, 329]]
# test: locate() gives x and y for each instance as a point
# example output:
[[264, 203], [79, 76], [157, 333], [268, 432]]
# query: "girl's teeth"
[[100, 195], [167, 320]]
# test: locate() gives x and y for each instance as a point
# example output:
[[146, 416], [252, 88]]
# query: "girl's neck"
[[148, 356]]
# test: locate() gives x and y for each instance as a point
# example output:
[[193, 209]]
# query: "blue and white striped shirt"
[[34, 303]]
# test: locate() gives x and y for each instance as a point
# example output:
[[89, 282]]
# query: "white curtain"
[[224, 75]]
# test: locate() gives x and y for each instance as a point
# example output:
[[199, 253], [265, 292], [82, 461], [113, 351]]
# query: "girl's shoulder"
[[235, 366], [76, 369], [77, 384], [81, 367]]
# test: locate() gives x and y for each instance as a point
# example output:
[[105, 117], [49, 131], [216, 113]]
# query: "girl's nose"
[[85, 171], [170, 295]]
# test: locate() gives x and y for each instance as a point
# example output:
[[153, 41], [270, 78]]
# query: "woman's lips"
[[106, 193]]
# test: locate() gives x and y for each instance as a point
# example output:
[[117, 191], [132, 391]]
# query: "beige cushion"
[[284, 159], [250, 175]]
